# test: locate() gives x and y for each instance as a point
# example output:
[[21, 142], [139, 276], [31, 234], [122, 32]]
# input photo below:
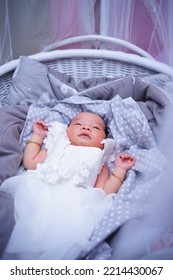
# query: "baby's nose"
[[86, 127]]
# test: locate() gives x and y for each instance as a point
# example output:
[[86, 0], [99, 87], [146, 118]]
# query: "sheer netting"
[[145, 23], [28, 27]]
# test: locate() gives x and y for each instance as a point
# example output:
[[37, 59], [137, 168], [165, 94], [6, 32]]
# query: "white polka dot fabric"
[[129, 128]]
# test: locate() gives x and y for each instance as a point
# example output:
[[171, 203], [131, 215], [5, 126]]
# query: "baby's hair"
[[106, 130]]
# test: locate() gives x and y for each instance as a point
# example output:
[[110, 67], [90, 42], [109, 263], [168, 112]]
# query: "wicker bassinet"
[[101, 60], [95, 62]]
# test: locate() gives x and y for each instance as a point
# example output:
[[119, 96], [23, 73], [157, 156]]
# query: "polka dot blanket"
[[129, 128]]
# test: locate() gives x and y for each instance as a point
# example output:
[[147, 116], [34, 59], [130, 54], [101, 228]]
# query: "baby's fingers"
[[128, 157], [42, 124]]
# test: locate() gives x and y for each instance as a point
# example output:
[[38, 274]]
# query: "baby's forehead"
[[86, 116]]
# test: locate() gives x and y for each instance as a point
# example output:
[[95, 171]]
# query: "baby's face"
[[87, 129]]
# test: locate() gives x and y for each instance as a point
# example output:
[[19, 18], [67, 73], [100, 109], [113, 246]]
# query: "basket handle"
[[98, 39]]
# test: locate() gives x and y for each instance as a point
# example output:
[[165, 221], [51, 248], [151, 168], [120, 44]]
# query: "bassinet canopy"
[[28, 27]]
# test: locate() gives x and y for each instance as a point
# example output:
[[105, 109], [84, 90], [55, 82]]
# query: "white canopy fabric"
[[31, 26]]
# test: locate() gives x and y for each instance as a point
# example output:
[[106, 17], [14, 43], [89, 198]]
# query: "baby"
[[67, 190], [85, 129]]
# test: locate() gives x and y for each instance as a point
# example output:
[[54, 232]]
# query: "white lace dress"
[[56, 206]]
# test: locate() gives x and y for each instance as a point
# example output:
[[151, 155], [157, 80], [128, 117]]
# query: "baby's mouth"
[[84, 136]]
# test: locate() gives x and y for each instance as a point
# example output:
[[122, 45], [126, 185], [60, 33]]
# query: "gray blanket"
[[129, 128], [133, 109]]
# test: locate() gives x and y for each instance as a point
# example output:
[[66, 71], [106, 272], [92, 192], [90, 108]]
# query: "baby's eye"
[[96, 127], [78, 124]]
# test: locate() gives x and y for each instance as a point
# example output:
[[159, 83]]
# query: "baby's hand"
[[124, 161], [40, 128]]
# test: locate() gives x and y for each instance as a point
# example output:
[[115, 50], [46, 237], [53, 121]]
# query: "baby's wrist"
[[120, 169], [37, 138], [119, 173]]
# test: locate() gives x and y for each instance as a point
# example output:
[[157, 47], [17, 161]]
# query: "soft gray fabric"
[[154, 102], [34, 82], [29, 82], [11, 124], [6, 219], [98, 95]]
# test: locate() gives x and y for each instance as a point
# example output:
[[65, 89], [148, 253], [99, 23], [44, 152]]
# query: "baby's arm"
[[33, 153], [102, 177], [123, 162]]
